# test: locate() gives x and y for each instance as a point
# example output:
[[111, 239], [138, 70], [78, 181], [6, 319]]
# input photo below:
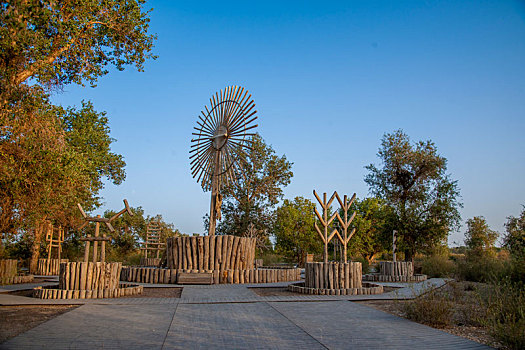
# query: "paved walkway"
[[233, 316]]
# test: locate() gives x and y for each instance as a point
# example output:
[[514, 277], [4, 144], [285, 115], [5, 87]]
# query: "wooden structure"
[[9, 273], [54, 239], [395, 271], [221, 140], [49, 267], [326, 222], [337, 275], [165, 276], [87, 280], [211, 253], [97, 220], [152, 244], [195, 278], [334, 278], [345, 207]]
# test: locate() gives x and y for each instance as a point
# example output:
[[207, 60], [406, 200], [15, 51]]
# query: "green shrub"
[[482, 269], [431, 309], [505, 316], [438, 266]]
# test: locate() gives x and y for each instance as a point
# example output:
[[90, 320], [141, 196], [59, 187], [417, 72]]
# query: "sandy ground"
[[15, 320]]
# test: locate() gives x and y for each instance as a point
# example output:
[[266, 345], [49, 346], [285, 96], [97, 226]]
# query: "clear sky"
[[328, 79]]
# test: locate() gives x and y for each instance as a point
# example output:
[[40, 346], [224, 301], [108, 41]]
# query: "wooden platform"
[[195, 278]]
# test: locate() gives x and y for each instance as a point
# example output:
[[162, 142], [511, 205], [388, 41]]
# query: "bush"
[[431, 309], [481, 269], [505, 317], [438, 266]]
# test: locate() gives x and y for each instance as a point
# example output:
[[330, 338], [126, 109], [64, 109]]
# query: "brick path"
[[232, 316]]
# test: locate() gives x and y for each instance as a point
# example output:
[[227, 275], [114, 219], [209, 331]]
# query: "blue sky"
[[328, 79]]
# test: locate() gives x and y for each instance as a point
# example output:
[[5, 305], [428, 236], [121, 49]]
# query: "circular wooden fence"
[[333, 275], [210, 253]]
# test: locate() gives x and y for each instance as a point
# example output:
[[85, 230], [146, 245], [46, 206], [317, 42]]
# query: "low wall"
[[51, 292], [374, 277], [333, 275], [159, 275], [89, 275], [396, 268], [49, 267], [9, 273], [365, 289], [8, 268], [152, 262], [210, 253]]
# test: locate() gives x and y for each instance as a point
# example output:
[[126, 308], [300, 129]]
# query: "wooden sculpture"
[[221, 141], [97, 220], [325, 221], [345, 206]]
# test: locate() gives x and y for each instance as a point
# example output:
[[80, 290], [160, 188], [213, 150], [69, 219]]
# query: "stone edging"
[[375, 277], [52, 292], [367, 289]]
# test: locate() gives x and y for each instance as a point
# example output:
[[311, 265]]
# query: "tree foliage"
[[373, 223], [514, 239], [294, 229], [61, 42], [479, 238], [412, 179], [256, 191]]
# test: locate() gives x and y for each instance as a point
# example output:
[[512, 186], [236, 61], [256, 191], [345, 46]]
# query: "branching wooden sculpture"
[[345, 206], [221, 140], [97, 220], [325, 221]]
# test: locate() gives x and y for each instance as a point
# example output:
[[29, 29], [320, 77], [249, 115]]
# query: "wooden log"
[[201, 255], [187, 253], [235, 253], [212, 252], [218, 252], [206, 247], [194, 254]]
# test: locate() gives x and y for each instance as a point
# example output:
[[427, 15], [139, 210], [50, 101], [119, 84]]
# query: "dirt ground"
[[15, 320], [273, 291]]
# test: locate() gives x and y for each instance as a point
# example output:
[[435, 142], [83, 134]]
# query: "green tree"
[[514, 239], [256, 191], [413, 181], [294, 229], [55, 43], [479, 238], [373, 224], [45, 45]]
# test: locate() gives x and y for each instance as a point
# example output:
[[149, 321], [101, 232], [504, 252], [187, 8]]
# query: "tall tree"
[[479, 238], [56, 43], [294, 229], [413, 180], [514, 239], [45, 45], [256, 191]]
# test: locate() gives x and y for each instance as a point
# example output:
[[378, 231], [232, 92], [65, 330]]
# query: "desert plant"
[[505, 316], [431, 308], [438, 266]]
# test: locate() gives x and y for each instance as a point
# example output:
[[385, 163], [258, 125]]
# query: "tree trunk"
[[35, 248], [409, 255]]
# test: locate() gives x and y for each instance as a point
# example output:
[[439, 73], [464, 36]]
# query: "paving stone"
[[235, 326], [100, 327], [347, 325]]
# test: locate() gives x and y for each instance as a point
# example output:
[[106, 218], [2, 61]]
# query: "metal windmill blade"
[[221, 139]]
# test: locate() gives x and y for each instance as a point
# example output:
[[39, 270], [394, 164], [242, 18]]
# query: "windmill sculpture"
[[221, 142], [97, 220]]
